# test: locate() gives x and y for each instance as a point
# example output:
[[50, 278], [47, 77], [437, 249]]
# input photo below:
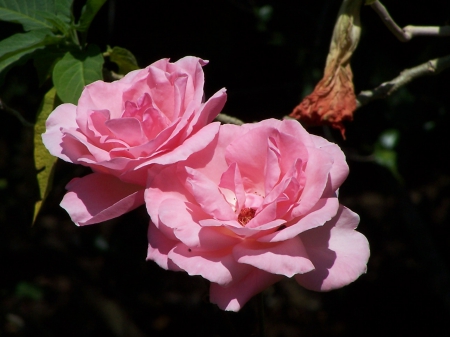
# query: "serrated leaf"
[[88, 13], [76, 70], [22, 45], [124, 59], [26, 12], [43, 160]]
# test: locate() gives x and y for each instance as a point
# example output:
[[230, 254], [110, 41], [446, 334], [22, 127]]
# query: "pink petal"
[[159, 247], [164, 186], [250, 153], [65, 115], [210, 109], [215, 266], [96, 124], [99, 197], [232, 181], [183, 218], [338, 252], [295, 129], [193, 144], [193, 67], [207, 194], [339, 170], [211, 160], [217, 238], [317, 170], [272, 168], [233, 297], [285, 258], [128, 129], [322, 212]]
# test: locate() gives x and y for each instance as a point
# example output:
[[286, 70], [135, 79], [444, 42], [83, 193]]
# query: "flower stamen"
[[246, 215]]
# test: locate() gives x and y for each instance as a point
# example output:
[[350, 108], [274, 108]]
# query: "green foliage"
[[51, 39], [42, 20], [44, 61], [26, 13], [29, 291], [75, 70], [43, 160], [123, 58], [88, 13], [385, 153], [63, 8], [20, 46]]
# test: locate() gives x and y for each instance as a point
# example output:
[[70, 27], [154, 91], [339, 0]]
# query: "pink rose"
[[151, 116], [257, 204]]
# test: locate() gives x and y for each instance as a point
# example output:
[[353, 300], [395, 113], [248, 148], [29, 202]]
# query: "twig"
[[15, 113], [431, 67], [226, 119], [407, 33]]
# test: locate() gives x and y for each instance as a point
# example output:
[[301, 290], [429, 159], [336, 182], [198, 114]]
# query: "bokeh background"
[[60, 280]]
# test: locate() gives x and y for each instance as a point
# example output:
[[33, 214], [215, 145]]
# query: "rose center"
[[246, 215]]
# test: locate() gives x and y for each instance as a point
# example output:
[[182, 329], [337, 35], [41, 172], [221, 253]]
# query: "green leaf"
[[21, 45], [29, 291], [369, 2], [124, 59], [63, 8], [44, 60], [385, 153], [26, 12], [43, 160], [88, 13], [76, 70], [57, 22]]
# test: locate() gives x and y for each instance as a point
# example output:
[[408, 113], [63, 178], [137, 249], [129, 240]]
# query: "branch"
[[431, 67], [15, 113], [407, 33], [226, 119]]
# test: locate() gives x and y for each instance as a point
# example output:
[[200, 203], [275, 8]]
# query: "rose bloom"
[[257, 204], [151, 116]]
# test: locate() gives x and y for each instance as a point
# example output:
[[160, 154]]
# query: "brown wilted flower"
[[333, 100]]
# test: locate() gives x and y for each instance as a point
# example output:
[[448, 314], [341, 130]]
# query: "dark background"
[[60, 280]]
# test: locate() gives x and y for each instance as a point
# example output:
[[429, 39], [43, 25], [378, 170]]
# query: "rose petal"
[[233, 297], [285, 258], [216, 266], [65, 115], [338, 252], [98, 197], [207, 194], [322, 212], [128, 129], [183, 218], [158, 248]]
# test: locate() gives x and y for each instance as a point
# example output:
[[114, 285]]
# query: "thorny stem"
[[407, 33], [431, 67]]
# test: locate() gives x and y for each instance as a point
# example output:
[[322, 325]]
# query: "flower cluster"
[[242, 206]]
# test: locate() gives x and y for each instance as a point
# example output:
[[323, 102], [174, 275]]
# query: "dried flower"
[[333, 100]]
